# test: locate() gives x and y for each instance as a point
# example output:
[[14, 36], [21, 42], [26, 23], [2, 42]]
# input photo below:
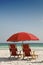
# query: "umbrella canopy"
[[22, 36]]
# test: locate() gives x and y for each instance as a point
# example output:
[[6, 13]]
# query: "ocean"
[[6, 45]]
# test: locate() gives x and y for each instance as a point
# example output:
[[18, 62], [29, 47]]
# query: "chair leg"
[[34, 56], [23, 55], [10, 57]]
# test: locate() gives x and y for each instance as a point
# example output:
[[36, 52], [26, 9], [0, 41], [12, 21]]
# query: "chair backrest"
[[26, 49], [13, 49], [12, 45], [25, 45]]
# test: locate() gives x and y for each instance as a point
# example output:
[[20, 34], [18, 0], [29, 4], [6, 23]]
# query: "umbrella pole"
[[22, 42]]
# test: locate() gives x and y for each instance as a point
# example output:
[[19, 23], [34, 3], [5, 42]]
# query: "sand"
[[5, 54]]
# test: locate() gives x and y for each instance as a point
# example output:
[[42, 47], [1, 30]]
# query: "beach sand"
[[5, 54]]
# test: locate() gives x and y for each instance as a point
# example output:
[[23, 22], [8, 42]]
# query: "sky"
[[21, 16]]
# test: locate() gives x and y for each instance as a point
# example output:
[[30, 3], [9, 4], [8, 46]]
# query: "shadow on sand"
[[7, 59]]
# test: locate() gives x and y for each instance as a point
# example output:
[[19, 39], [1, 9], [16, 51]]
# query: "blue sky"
[[21, 15]]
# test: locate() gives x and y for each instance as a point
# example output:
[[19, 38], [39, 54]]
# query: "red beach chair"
[[27, 52], [13, 50]]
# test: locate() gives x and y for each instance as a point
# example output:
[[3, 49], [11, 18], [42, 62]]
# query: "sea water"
[[19, 45]]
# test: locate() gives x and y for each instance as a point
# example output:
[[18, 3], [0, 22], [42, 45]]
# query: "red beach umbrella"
[[22, 36]]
